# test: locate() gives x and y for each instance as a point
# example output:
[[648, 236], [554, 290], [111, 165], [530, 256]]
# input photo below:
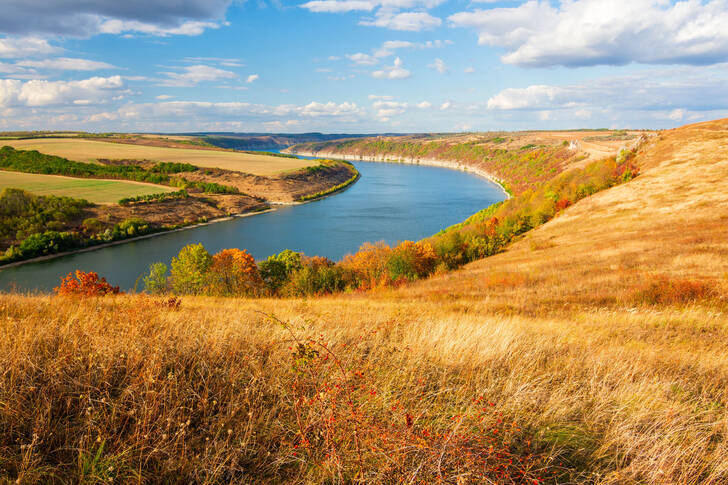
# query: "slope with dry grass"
[[592, 351]]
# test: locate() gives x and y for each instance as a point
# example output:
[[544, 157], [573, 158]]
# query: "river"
[[390, 202]]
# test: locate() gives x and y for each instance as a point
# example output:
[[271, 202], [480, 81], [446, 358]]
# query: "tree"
[[190, 269], [276, 270], [156, 281], [234, 273]]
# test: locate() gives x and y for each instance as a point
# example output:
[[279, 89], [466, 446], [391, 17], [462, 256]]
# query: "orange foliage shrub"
[[85, 284], [369, 265], [661, 290], [234, 272], [562, 204]]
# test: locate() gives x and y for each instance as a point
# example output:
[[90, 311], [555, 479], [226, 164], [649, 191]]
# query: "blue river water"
[[390, 202]]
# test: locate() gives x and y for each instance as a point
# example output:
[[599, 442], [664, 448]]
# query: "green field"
[[90, 151], [93, 190]]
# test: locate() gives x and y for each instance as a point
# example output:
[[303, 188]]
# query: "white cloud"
[[83, 18], [652, 90], [252, 78], [193, 75], [677, 114], [389, 47], [469, 70], [531, 97], [338, 6], [395, 71], [163, 97], [446, 105], [46, 93], [67, 64], [592, 32], [15, 47], [409, 21], [424, 105], [385, 109], [440, 66], [362, 59]]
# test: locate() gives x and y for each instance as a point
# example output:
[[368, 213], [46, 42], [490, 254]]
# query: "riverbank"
[[385, 158], [49, 257]]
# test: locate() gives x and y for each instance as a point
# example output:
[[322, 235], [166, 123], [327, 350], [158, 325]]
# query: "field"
[[90, 151], [93, 190], [594, 350]]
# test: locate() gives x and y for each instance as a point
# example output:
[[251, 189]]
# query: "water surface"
[[390, 202]]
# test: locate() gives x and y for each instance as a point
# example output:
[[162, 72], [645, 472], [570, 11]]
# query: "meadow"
[[593, 350], [92, 190], [90, 151]]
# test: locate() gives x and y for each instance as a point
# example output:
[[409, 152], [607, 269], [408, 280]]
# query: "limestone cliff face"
[[390, 158]]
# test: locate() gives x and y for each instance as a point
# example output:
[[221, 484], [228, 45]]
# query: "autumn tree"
[[277, 269], [190, 269], [156, 280], [234, 273]]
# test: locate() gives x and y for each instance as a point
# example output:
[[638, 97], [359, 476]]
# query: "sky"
[[360, 66]]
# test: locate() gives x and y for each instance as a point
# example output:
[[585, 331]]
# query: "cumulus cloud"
[[252, 78], [362, 59], [593, 32], [190, 76], [440, 66], [395, 71], [67, 64], [82, 18], [338, 6], [50, 93], [389, 47], [410, 21], [17, 47], [670, 90], [409, 15], [385, 109], [424, 105]]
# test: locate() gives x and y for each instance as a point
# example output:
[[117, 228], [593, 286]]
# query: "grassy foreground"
[[594, 350]]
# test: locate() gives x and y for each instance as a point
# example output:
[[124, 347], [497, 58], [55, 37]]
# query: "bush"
[[48, 242], [318, 276], [661, 290], [85, 284], [410, 261]]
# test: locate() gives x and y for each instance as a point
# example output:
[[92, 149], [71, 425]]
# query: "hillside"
[[517, 160], [593, 350]]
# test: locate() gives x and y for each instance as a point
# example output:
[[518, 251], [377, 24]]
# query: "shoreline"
[[431, 162], [49, 257]]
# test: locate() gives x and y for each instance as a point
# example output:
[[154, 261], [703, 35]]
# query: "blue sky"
[[369, 66]]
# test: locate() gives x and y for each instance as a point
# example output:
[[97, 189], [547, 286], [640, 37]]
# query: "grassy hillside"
[[593, 350], [97, 191]]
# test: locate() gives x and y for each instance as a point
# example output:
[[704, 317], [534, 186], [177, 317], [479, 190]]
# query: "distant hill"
[[263, 141]]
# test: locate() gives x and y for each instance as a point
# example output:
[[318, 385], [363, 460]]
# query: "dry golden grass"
[[90, 151], [558, 333]]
